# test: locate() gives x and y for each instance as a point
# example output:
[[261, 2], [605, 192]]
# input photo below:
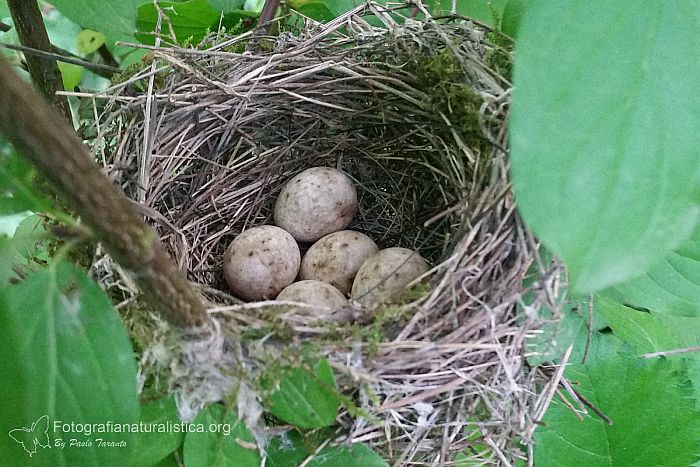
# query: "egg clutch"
[[316, 206]]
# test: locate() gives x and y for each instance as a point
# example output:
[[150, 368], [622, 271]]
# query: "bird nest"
[[202, 139]]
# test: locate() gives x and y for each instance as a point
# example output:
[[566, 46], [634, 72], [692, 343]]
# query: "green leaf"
[[9, 256], [672, 286], [685, 330], [30, 239], [304, 398], [604, 133], [644, 331], [67, 358], [61, 30], [89, 41], [170, 461], [17, 186], [314, 9], [155, 446], [512, 15], [286, 450], [227, 5], [10, 222], [654, 422], [191, 20], [117, 20], [356, 455], [254, 6], [71, 75], [487, 11], [219, 441], [555, 337]]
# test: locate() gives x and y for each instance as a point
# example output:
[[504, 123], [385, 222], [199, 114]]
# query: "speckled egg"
[[260, 262], [316, 202], [317, 293], [336, 258], [384, 276]]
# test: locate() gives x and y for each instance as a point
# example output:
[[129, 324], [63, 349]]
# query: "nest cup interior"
[[219, 157], [416, 116]]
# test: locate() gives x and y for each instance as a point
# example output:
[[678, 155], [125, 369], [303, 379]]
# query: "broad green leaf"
[[512, 15], [605, 149], [286, 450], [338, 7], [672, 286], [71, 75], [555, 337], [686, 331], [227, 5], [9, 256], [305, 398], [315, 9], [155, 446], [654, 422], [356, 455], [644, 331], [170, 461], [4, 11], [220, 440], [254, 6], [30, 239], [66, 360], [487, 11], [63, 33], [89, 41], [61, 30], [10, 222], [116, 20], [17, 187], [191, 20]]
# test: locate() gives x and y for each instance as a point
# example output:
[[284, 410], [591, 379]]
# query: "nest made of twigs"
[[415, 112]]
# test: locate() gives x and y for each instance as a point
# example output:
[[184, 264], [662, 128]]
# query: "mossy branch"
[[40, 135], [43, 70]]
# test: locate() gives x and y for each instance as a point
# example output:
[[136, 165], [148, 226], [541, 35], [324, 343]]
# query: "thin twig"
[[589, 325], [593, 408], [63, 56], [666, 353]]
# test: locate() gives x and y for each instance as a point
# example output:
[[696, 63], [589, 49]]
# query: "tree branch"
[[41, 136], [44, 71], [268, 12]]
